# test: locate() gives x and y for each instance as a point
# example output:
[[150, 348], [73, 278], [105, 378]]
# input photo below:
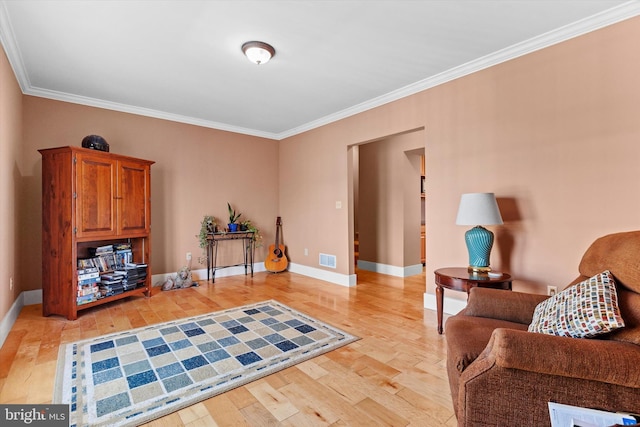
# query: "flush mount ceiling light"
[[258, 52]]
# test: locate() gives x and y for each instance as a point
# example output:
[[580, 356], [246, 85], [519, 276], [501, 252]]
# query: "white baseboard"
[[449, 306], [32, 297], [391, 270], [25, 298], [328, 276], [201, 274], [316, 273]]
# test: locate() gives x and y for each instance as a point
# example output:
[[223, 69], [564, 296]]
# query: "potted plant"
[[233, 218], [208, 225], [246, 225]]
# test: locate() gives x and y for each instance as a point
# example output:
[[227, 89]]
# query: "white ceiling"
[[181, 60]]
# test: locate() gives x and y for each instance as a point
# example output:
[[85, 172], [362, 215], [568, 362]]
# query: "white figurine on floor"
[[182, 279]]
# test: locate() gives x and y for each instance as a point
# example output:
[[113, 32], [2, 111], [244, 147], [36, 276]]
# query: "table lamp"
[[478, 209]]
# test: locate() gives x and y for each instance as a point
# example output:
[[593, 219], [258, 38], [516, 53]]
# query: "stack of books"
[[132, 275], [103, 257], [141, 272], [111, 284], [88, 284], [123, 254]]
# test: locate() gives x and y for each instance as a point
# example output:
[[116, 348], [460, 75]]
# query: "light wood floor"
[[395, 375]]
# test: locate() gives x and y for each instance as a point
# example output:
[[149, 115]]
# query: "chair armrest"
[[606, 361], [502, 304]]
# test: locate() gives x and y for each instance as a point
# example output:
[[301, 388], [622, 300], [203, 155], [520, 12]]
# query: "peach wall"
[[554, 134], [558, 130], [197, 171], [10, 158]]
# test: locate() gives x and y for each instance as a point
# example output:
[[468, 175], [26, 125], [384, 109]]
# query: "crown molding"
[[608, 17], [611, 16], [147, 112]]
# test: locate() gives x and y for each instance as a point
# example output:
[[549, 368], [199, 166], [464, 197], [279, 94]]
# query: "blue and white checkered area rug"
[[131, 377]]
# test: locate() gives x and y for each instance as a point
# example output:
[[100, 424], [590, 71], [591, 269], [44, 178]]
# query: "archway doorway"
[[386, 205]]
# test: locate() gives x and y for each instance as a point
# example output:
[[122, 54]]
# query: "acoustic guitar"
[[276, 260]]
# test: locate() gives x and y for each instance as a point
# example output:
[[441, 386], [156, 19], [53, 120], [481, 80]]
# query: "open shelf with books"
[[109, 272], [96, 215]]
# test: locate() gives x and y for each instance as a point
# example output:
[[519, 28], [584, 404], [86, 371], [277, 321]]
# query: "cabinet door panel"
[[133, 197], [95, 203]]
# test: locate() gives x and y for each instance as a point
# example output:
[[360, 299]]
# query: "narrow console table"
[[460, 279], [214, 239]]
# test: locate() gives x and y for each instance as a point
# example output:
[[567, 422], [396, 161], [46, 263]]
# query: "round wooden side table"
[[460, 279]]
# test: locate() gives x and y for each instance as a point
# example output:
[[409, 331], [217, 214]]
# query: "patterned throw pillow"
[[583, 310]]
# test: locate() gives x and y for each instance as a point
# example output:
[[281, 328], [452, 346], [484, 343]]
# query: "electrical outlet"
[[306, 252], [188, 256], [552, 290], [10, 283]]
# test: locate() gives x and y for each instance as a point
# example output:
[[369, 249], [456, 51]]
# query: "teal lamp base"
[[479, 242]]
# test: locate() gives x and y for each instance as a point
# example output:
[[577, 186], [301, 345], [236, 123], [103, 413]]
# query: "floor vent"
[[328, 260]]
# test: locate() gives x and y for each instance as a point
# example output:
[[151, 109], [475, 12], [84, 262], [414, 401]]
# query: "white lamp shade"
[[478, 209]]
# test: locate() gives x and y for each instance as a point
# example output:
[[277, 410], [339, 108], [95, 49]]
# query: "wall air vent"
[[328, 260]]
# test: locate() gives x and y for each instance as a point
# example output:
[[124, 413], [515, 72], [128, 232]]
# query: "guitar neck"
[[278, 225]]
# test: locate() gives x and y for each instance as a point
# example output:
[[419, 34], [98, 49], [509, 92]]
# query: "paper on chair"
[[575, 416]]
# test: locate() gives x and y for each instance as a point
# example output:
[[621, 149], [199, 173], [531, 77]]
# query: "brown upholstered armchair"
[[502, 375]]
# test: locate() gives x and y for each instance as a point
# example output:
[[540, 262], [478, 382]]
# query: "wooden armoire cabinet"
[[90, 199]]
